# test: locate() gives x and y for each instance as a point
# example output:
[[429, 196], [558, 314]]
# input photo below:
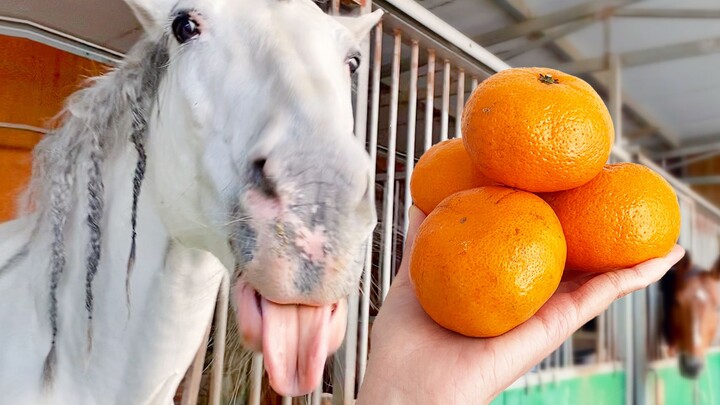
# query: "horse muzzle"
[[690, 366]]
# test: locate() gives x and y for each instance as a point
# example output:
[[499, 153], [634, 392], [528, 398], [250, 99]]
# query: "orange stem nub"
[[548, 79]]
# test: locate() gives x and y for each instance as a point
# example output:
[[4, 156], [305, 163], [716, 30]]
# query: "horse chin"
[[295, 339]]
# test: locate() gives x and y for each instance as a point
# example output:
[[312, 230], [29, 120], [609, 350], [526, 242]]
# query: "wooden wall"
[[35, 79], [709, 167]]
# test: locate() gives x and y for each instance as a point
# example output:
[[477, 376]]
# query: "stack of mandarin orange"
[[524, 195]]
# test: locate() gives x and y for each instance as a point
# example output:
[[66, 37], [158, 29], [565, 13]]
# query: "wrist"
[[388, 385], [380, 387]]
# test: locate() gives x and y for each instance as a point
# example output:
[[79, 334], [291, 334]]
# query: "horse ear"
[[152, 14], [360, 26]]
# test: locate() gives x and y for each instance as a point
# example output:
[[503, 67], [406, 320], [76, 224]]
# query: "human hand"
[[416, 361]]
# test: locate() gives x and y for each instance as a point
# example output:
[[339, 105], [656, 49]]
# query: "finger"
[[640, 276], [565, 313], [415, 218], [599, 292]]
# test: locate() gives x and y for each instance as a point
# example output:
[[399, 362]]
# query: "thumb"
[[415, 218]]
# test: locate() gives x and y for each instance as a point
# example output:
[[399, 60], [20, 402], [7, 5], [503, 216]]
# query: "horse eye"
[[184, 28], [353, 63]]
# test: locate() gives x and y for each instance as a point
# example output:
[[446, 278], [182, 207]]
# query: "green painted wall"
[[679, 391], [609, 389], [597, 389]]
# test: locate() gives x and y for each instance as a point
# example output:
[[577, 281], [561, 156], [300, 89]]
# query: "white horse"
[[223, 143]]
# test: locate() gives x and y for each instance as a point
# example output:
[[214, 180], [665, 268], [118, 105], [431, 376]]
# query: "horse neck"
[[140, 339]]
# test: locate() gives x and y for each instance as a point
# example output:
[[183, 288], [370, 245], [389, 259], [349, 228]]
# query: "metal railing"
[[422, 71]]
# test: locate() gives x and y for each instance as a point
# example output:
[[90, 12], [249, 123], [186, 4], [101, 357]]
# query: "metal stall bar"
[[569, 356], [473, 83], [445, 102], [460, 102], [397, 217], [479, 58], [193, 377], [372, 147], [316, 396], [429, 99], [221, 315], [412, 115], [256, 379], [350, 343], [390, 180], [601, 343]]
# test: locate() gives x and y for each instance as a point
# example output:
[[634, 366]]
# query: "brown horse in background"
[[690, 303]]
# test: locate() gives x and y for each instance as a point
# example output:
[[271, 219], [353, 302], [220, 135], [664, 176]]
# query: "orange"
[[485, 260], [626, 215], [537, 129], [443, 170]]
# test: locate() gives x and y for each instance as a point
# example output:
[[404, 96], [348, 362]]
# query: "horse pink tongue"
[[295, 346], [295, 339]]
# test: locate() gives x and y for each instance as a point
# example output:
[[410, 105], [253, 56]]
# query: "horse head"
[[693, 316], [252, 157]]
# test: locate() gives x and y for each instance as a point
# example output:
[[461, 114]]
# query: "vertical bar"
[[218, 367], [612, 332], [429, 99], [615, 101], [396, 225], [361, 94], [316, 395], [287, 401], [350, 346], [412, 116], [390, 179], [473, 83], [256, 379], [570, 355], [640, 347], [460, 102], [601, 342], [445, 102], [191, 389], [372, 146], [694, 235], [653, 316], [628, 360], [335, 7]]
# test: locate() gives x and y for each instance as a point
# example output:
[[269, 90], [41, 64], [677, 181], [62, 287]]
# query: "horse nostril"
[[690, 366], [261, 179], [259, 164]]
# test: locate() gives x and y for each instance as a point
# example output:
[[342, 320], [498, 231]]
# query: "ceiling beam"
[[645, 56], [564, 51], [31, 30], [595, 9], [699, 158], [666, 13], [560, 32], [702, 180], [688, 150]]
